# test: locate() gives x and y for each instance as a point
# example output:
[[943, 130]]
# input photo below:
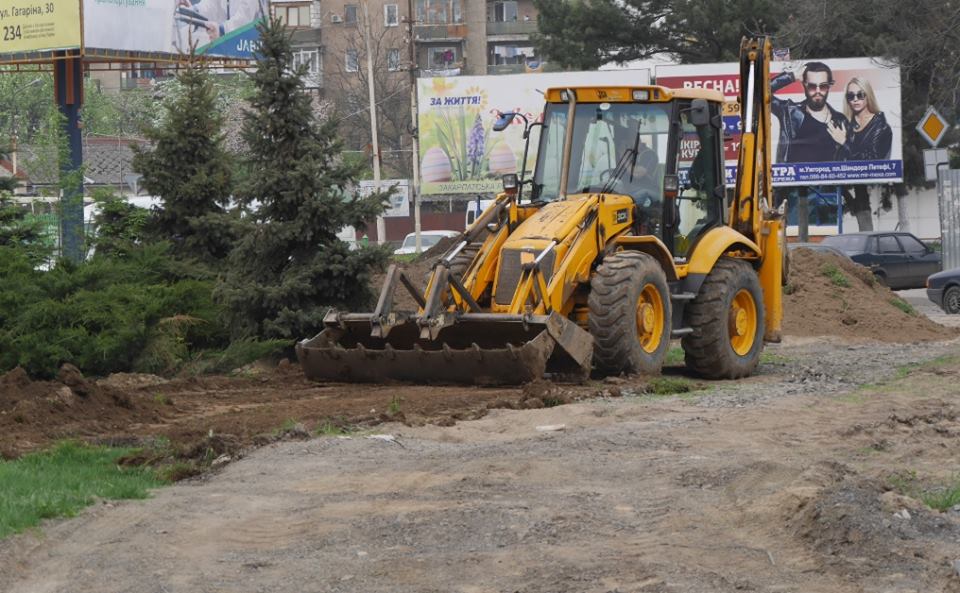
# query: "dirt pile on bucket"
[[417, 271], [829, 295]]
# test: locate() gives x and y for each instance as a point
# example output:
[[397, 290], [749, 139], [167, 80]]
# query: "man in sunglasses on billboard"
[[810, 131]]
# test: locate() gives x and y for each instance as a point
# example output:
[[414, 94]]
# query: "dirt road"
[[777, 483]]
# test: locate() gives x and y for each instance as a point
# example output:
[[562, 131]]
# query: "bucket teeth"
[[480, 349]]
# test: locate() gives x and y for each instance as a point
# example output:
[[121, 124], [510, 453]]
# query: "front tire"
[[727, 318], [951, 300], [630, 315]]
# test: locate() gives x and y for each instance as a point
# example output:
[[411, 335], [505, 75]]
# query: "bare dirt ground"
[[779, 483], [786, 481]]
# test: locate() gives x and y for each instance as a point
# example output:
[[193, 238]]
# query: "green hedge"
[[138, 312]]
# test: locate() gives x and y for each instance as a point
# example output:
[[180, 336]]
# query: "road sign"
[[932, 157], [933, 126]]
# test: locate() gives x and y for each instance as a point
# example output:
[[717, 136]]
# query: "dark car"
[[898, 259], [943, 288]]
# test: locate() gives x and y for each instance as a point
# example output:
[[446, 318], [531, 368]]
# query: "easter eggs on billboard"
[[502, 159], [435, 166]]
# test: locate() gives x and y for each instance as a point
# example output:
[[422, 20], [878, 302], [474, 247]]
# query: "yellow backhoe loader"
[[622, 239]]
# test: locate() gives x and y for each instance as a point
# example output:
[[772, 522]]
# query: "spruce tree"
[[190, 171], [289, 266]]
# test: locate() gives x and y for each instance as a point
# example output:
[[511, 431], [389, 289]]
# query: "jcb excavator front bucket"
[[480, 348]]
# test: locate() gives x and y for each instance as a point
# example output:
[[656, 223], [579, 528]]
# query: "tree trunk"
[[858, 204], [903, 220]]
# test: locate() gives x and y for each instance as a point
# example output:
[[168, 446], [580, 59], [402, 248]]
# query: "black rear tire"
[[951, 300], [630, 316], [727, 335]]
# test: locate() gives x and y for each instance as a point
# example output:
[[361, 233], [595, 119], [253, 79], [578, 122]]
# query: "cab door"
[[698, 163]]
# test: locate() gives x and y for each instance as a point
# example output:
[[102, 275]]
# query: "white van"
[[475, 208]]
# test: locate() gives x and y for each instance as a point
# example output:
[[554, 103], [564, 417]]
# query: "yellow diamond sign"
[[932, 126]]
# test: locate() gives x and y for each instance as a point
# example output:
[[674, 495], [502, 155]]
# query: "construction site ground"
[[805, 477]]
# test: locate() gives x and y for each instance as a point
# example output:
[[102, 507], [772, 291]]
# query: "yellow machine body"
[[539, 286]]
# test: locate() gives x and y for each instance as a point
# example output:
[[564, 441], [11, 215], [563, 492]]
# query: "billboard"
[[399, 205], [219, 28], [39, 26], [459, 153], [834, 122]]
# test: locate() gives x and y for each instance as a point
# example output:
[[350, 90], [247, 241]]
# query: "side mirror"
[[503, 121], [510, 183], [699, 112]]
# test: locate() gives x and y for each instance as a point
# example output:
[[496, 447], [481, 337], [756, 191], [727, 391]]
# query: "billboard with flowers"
[[459, 151]]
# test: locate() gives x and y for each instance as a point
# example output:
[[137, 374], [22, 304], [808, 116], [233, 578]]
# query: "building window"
[[502, 12], [391, 16], [393, 60], [293, 15], [350, 13], [311, 58], [351, 62], [442, 58], [439, 12]]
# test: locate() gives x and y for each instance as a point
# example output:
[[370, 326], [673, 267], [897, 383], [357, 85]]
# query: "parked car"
[[427, 240], [819, 247], [943, 288], [898, 259]]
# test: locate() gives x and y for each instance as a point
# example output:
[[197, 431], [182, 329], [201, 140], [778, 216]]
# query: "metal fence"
[[948, 187]]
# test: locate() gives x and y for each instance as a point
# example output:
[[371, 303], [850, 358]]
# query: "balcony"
[[450, 32], [521, 68], [441, 73], [511, 28]]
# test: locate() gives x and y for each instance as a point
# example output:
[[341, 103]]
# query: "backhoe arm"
[[754, 189]]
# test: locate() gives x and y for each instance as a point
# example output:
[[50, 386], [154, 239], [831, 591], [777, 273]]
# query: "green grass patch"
[[835, 275], [903, 306], [773, 358], [331, 428], [393, 408], [62, 481], [289, 425], [406, 257], [668, 386], [942, 498], [675, 356]]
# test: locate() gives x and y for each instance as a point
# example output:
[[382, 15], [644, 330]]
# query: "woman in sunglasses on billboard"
[[869, 136]]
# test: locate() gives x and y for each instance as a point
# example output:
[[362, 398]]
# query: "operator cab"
[[627, 141]]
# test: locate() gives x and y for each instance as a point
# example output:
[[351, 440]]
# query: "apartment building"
[[451, 37]]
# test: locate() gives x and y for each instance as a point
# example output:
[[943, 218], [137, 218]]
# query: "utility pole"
[[381, 225], [415, 131]]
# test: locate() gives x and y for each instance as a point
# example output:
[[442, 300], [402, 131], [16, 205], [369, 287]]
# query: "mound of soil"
[[829, 295], [33, 413]]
